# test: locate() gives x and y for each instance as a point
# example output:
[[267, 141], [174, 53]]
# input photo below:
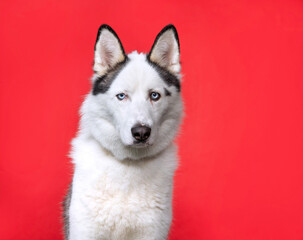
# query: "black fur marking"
[[168, 77], [102, 83], [168, 27], [167, 93], [66, 205]]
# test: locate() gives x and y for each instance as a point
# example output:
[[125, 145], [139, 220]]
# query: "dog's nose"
[[141, 133]]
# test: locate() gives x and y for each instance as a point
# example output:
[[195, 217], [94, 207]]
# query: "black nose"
[[141, 133]]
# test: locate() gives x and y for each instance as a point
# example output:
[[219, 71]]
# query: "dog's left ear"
[[165, 51], [108, 50]]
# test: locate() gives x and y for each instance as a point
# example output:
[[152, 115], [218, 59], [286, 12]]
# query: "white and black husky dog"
[[124, 154]]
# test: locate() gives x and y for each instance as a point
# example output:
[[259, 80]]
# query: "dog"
[[124, 152]]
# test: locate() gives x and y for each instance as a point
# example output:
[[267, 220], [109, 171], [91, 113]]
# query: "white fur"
[[120, 191]]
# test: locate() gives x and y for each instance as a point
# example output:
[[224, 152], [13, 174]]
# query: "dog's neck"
[[89, 156]]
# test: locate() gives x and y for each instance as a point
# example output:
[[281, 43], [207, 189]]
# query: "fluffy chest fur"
[[121, 200]]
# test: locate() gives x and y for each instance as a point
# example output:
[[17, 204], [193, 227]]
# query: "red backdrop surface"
[[241, 145]]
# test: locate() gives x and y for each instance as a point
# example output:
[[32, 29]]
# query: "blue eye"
[[155, 96], [121, 96]]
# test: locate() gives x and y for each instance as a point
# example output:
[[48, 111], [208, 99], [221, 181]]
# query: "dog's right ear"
[[108, 50]]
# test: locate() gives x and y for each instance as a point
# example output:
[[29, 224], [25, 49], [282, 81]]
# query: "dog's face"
[[135, 106]]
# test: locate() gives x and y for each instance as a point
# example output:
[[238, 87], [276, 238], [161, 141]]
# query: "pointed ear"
[[166, 49], [108, 50]]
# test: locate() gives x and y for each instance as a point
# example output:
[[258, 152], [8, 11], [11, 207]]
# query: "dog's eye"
[[155, 96], [121, 96]]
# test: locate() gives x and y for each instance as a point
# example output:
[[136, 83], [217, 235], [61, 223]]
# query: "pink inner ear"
[[167, 55], [106, 56]]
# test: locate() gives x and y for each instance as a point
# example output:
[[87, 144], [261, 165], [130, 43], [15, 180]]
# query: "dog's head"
[[135, 107]]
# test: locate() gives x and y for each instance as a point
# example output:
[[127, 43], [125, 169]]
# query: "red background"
[[241, 171]]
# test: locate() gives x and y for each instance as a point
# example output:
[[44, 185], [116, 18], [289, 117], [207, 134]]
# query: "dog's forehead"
[[138, 73]]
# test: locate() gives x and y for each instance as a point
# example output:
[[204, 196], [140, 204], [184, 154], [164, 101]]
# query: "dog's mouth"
[[140, 144]]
